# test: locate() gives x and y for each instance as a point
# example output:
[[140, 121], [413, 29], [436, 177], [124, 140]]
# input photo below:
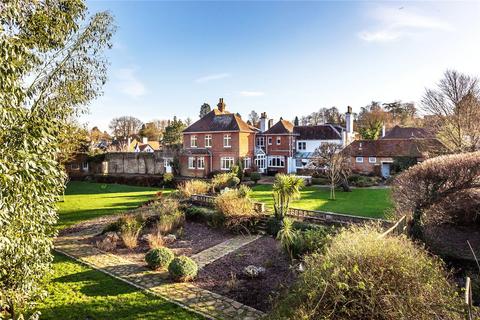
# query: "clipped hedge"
[[183, 269], [159, 258]]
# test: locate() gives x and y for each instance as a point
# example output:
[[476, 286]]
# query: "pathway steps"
[[187, 295]]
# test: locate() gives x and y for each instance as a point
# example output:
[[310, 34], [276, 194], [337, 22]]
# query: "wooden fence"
[[399, 227]]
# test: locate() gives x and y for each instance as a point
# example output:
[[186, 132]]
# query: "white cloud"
[[210, 77], [395, 23], [129, 83], [252, 93]]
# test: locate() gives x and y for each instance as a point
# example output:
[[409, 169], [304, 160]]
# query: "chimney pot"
[[349, 109], [221, 105]]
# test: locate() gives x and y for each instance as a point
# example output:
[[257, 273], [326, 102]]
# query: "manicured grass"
[[361, 202], [88, 200], [79, 292]]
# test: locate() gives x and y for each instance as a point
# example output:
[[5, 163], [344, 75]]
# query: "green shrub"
[[310, 240], [211, 216], [362, 181], [320, 181], [130, 227], [159, 258], [244, 191], [223, 180], [287, 235], [190, 187], [255, 177], [168, 178], [361, 276], [182, 269], [170, 217]]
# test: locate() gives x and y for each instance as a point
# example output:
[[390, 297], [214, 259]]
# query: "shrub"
[[182, 269], [238, 212], [320, 181], [311, 240], [193, 187], [244, 191], [169, 216], [224, 180], [168, 179], [287, 236], [255, 177], [159, 258], [155, 240], [212, 217], [361, 276], [130, 227]]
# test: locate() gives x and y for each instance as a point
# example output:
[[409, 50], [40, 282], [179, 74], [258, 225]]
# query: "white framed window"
[[372, 159], [279, 140], [201, 163], [208, 141], [302, 145], [227, 140], [247, 162], [226, 163], [359, 159], [276, 161], [191, 162], [75, 166], [167, 162], [270, 141], [260, 141], [193, 142], [85, 165]]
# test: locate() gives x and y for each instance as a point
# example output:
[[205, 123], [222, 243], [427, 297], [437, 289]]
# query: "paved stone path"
[[187, 295], [211, 254]]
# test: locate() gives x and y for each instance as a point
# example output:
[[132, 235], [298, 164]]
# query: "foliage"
[[285, 189], [362, 276], [168, 178], [125, 126], [310, 241], [153, 130], [359, 180], [173, 133], [155, 240], [169, 215], [428, 190], [253, 117], [255, 177], [223, 180], [244, 191], [324, 115], [52, 64], [183, 269], [210, 216], [190, 187], [237, 211], [77, 291], [287, 236], [333, 160], [130, 227], [159, 258], [403, 163], [73, 139], [455, 110], [204, 110]]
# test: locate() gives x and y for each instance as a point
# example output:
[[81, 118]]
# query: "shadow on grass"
[[81, 187]]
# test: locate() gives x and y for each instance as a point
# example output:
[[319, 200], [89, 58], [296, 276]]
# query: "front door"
[[386, 170], [261, 162]]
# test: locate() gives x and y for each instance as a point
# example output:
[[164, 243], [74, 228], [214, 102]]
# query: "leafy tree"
[[204, 109], [330, 159], [126, 126], [72, 139], [52, 64], [153, 130], [253, 117], [188, 121], [285, 189], [402, 113], [455, 110], [173, 132], [371, 120]]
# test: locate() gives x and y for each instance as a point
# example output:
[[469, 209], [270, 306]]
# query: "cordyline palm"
[[285, 189]]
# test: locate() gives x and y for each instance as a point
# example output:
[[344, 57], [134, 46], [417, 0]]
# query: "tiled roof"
[[216, 120], [395, 148], [281, 127], [320, 132], [398, 132]]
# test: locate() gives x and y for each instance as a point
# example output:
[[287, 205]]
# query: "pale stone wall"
[[137, 162]]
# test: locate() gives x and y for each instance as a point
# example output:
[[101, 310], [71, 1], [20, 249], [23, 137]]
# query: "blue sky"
[[285, 58]]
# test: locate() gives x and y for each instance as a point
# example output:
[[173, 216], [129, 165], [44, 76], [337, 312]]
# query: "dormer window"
[[193, 142]]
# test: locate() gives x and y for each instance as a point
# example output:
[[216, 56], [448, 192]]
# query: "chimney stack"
[[263, 122], [349, 121], [270, 123], [383, 130], [221, 105], [144, 140]]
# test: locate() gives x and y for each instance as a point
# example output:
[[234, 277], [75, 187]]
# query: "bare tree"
[[253, 117], [124, 127], [330, 159], [455, 109]]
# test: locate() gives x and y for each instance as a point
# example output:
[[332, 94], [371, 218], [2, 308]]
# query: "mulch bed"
[[225, 276], [196, 237]]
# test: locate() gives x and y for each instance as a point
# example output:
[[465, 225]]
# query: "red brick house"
[[217, 142]]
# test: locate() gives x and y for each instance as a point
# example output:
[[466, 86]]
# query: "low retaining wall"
[[203, 199]]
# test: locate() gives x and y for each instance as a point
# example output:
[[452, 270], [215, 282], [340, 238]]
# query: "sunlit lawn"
[[85, 200], [361, 202]]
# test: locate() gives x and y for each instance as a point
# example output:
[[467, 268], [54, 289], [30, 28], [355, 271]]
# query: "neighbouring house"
[[144, 146], [377, 156], [78, 166], [216, 143]]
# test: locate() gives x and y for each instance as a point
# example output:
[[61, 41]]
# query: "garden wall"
[[137, 162]]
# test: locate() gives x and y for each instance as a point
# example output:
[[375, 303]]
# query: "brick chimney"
[[221, 105], [263, 122]]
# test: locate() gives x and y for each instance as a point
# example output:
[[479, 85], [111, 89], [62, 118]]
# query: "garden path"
[[187, 295]]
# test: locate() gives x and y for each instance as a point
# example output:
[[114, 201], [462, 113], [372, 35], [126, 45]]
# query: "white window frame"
[[359, 159], [193, 141], [85, 165], [166, 162], [276, 161], [270, 141], [372, 159], [279, 141], [201, 163], [260, 141], [208, 141], [227, 140], [224, 161], [247, 163], [302, 145], [191, 162]]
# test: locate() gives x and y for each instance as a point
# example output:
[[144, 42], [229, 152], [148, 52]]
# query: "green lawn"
[[361, 202], [84, 200], [79, 292]]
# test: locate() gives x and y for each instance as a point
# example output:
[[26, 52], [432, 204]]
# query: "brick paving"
[[187, 295]]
